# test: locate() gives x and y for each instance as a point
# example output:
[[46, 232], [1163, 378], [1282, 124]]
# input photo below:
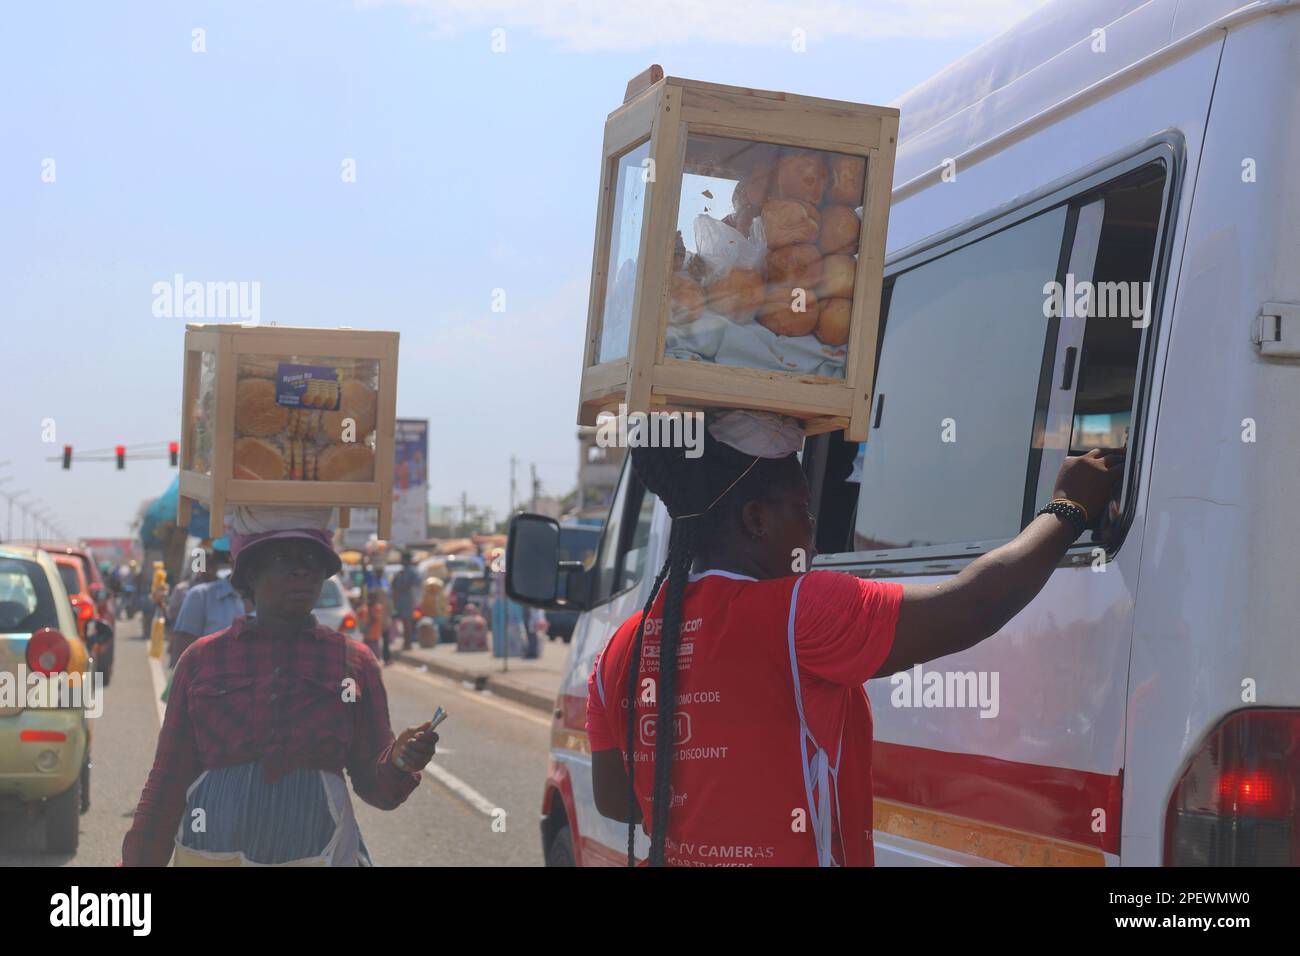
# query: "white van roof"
[[1009, 82]]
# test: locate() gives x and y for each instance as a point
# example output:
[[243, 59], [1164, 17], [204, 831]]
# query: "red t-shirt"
[[753, 781]]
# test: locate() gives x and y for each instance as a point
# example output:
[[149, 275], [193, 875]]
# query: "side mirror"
[[535, 575]]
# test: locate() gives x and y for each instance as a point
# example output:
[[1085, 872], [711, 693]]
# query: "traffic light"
[[67, 457], [172, 451], [121, 456]]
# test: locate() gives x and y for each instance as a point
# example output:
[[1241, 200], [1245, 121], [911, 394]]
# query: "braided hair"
[[705, 496]]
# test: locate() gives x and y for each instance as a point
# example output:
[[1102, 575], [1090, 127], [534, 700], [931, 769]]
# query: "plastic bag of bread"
[[723, 248], [305, 418]]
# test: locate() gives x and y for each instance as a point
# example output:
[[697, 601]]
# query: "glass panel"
[[26, 600], [1112, 339], [202, 423], [71, 581], [607, 560], [957, 392], [638, 551], [765, 256], [624, 259], [305, 418]]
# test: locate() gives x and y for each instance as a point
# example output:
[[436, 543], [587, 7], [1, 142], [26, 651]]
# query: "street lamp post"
[[15, 498]]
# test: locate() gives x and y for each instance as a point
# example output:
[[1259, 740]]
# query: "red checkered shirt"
[[311, 700]]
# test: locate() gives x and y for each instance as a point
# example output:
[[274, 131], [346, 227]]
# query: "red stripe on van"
[[1050, 801]]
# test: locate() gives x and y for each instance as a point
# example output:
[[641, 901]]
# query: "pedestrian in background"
[[471, 632], [211, 605], [377, 622], [406, 592]]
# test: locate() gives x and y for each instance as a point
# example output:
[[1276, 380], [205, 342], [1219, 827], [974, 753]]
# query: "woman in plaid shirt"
[[263, 719]]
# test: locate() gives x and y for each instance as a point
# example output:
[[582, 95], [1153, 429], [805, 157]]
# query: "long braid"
[[679, 567], [633, 668]]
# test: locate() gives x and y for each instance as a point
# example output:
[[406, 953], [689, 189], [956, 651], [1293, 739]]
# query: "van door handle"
[[1067, 374], [880, 409]]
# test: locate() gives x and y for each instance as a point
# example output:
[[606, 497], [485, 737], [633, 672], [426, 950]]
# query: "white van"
[[1147, 706]]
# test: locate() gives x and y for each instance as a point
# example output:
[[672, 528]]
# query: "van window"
[[959, 368], [625, 545], [984, 385]]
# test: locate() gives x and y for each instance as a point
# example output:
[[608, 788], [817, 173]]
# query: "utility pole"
[[464, 507], [513, 461], [536, 484]]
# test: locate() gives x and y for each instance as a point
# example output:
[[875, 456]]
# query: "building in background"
[[410, 490], [598, 471]]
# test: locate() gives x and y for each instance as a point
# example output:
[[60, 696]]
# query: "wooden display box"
[[686, 314], [297, 417]]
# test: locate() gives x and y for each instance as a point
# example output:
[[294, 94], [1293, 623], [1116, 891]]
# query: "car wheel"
[[63, 820], [560, 852]]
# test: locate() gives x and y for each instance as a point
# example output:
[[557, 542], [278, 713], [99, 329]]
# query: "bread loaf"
[[788, 221], [779, 314], [801, 175], [256, 410], [839, 231], [737, 294], [800, 264], [833, 321]]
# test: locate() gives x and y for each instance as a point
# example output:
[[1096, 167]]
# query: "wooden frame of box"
[[664, 115], [219, 489]]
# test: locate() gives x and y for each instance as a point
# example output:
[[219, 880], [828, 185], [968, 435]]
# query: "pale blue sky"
[[475, 171]]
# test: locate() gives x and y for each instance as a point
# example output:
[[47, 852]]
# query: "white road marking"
[[461, 789], [159, 685], [479, 697]]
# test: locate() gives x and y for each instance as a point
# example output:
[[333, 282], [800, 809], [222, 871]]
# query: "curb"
[[501, 686]]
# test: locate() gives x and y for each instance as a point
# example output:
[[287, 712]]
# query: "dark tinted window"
[[26, 600], [71, 582], [579, 544]]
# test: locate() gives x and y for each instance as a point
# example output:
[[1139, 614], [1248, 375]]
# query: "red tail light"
[[41, 737], [48, 651], [1238, 804], [349, 623], [417, 614], [85, 610]]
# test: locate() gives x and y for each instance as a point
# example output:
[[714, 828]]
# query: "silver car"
[[334, 610]]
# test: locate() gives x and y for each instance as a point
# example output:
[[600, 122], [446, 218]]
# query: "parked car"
[[1150, 701], [334, 609], [466, 588], [44, 752], [91, 600]]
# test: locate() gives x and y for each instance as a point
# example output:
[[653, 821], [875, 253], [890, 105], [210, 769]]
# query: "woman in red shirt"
[[757, 670]]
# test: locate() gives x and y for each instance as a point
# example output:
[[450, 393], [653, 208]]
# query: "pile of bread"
[[807, 203], [275, 442]]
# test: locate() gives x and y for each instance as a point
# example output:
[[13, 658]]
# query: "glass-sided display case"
[[739, 254], [286, 416]]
